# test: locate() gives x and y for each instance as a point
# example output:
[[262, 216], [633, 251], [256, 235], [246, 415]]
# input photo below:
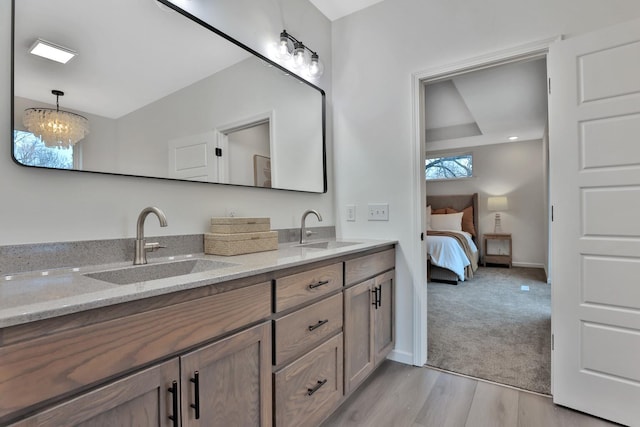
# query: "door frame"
[[419, 259], [222, 140]]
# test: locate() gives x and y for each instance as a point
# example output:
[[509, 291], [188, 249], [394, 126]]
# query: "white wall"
[[225, 98], [514, 170], [375, 53], [49, 206]]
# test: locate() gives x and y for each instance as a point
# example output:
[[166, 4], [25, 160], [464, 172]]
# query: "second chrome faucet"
[[303, 231], [142, 247]]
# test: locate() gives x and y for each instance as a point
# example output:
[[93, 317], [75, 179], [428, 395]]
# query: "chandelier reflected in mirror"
[[56, 128]]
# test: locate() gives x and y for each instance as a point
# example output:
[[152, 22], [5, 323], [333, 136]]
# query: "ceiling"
[[487, 106], [336, 9], [120, 65], [127, 68]]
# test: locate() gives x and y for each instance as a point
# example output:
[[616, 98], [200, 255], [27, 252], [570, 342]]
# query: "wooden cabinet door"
[[228, 383], [140, 399], [358, 333], [384, 337]]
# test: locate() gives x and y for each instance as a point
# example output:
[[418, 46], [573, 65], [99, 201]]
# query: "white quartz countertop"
[[38, 295]]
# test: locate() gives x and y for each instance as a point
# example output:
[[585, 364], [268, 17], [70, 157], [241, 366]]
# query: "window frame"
[[444, 156]]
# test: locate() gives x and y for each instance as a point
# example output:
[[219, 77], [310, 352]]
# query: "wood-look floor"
[[400, 395]]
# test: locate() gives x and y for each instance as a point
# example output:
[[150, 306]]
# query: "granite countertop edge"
[[88, 293]]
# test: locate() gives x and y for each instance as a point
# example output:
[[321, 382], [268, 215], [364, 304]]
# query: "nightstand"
[[501, 249]]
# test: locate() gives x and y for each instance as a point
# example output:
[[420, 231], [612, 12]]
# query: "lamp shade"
[[498, 203]]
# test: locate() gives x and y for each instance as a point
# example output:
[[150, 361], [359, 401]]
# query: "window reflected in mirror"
[[29, 150]]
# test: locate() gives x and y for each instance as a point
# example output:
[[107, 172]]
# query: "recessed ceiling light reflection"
[[52, 51]]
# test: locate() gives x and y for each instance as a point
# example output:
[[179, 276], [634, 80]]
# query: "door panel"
[[384, 336], [192, 157], [594, 119], [234, 381], [358, 334]]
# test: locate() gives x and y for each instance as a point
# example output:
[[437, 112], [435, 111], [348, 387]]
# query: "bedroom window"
[[449, 167]]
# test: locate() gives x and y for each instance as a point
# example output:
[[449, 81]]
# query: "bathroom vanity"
[[275, 338]]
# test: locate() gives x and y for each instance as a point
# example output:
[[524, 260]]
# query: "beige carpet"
[[488, 327]]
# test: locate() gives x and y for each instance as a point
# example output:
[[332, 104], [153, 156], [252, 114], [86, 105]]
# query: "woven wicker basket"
[[240, 243]]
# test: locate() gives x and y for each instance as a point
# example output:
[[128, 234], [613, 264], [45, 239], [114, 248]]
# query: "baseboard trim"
[[401, 357], [528, 264]]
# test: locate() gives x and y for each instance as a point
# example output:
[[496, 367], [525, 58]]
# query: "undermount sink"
[[144, 273], [327, 245]]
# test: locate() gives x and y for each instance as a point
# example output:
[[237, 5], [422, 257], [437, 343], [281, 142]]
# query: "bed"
[[450, 260]]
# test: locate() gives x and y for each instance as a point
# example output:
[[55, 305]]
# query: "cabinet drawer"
[[302, 287], [368, 266], [303, 329], [307, 390]]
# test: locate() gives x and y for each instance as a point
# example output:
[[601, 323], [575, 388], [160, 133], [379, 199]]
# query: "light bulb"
[[299, 57], [316, 68], [283, 49]]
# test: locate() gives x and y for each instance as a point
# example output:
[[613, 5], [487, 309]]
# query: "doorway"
[[458, 141]]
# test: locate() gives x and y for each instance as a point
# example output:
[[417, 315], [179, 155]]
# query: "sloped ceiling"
[[120, 61], [336, 9], [129, 38], [487, 106]]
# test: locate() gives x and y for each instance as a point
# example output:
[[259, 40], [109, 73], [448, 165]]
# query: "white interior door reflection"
[[193, 158]]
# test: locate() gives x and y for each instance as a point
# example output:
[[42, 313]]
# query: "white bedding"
[[446, 252]]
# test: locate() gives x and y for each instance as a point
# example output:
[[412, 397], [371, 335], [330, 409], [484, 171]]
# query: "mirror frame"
[[209, 27]]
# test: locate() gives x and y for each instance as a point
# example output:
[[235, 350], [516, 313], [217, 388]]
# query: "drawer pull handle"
[[174, 399], [317, 325], [310, 391], [196, 386], [317, 285]]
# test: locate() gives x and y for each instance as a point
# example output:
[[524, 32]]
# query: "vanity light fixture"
[[52, 51], [56, 128], [303, 58]]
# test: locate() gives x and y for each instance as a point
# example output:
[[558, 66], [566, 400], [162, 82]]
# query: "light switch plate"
[[351, 212], [378, 212]]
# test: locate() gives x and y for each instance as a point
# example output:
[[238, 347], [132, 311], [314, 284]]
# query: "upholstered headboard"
[[457, 202]]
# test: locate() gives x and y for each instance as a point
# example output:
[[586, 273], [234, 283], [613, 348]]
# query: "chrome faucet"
[[303, 231], [143, 247]]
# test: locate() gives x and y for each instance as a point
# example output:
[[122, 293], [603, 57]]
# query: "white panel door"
[[594, 118], [193, 157]]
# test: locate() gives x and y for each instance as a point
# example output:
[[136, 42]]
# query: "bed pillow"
[[467, 219], [451, 222], [428, 215], [440, 211]]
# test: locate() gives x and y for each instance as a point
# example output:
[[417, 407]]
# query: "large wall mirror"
[[162, 94]]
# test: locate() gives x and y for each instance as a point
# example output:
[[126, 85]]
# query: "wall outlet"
[[378, 212], [351, 212], [232, 212]]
